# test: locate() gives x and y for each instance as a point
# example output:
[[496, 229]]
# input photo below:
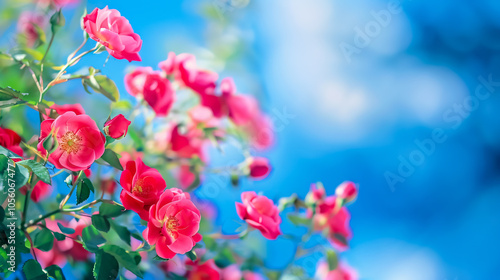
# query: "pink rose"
[[185, 146], [9, 139], [80, 142], [199, 80], [158, 93], [334, 220], [173, 224], [108, 186], [315, 195], [114, 32], [250, 275], [260, 213], [342, 272], [206, 271], [241, 108], [261, 132], [231, 272], [186, 176], [39, 192], [61, 109], [27, 26], [57, 3], [347, 191], [128, 156], [142, 185], [117, 127], [259, 168], [134, 81]]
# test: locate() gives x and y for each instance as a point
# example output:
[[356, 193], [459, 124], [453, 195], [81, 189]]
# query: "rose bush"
[[132, 196]]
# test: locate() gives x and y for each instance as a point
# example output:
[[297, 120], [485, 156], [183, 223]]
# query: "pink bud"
[[259, 168], [347, 191], [117, 127]]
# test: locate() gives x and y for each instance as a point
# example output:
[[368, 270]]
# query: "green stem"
[[48, 48]]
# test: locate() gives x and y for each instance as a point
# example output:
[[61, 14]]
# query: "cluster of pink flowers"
[[173, 219], [329, 213]]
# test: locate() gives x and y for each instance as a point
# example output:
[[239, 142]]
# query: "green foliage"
[[103, 85], [33, 271], [65, 229], [55, 272], [111, 210], [106, 266], [44, 240], [92, 238], [126, 259], [111, 158], [38, 169], [100, 223]]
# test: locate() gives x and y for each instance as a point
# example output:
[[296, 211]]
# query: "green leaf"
[[82, 192], [111, 210], [158, 258], [124, 258], [2, 214], [86, 181], [298, 220], [111, 158], [33, 270], [106, 266], [12, 174], [44, 240], [92, 238], [100, 223], [104, 85], [191, 255], [55, 272], [332, 260], [7, 93], [59, 236], [122, 232], [8, 153], [65, 229], [38, 169]]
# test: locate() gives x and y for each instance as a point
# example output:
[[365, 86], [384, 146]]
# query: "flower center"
[[70, 142], [172, 225]]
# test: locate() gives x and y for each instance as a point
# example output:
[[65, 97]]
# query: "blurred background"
[[400, 97]]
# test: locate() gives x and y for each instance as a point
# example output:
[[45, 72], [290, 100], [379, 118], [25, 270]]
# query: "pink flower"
[[201, 118], [347, 191], [113, 31], [260, 213], [334, 220], [316, 194], [241, 108], [174, 265], [261, 132], [61, 109], [342, 272], [185, 146], [173, 224], [117, 127], [250, 275], [128, 156], [158, 93], [57, 3], [28, 25], [259, 168], [134, 81], [231, 272], [63, 249], [199, 80], [108, 186], [186, 176], [80, 141], [206, 271], [142, 185], [39, 192], [9, 139]]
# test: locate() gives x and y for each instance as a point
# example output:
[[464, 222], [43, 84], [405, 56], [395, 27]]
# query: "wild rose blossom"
[[40, 191], [260, 213], [206, 271], [134, 81], [329, 216], [117, 127], [173, 225], [347, 191], [10, 140], [342, 272], [259, 168], [80, 142], [27, 26], [114, 32], [158, 93], [142, 185]]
